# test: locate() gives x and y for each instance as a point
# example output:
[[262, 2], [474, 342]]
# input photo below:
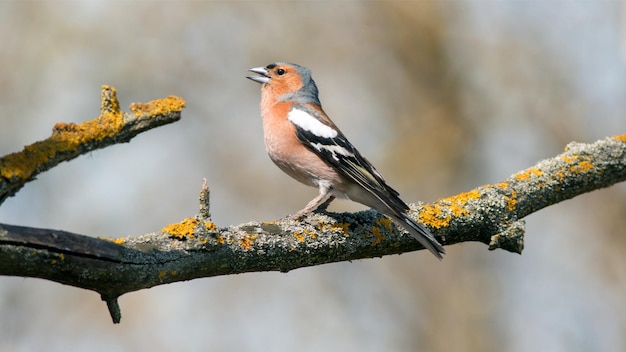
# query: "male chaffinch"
[[303, 142]]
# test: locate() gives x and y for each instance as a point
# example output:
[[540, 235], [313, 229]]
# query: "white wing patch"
[[334, 149], [309, 123]]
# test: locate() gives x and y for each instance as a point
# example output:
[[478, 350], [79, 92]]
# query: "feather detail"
[[345, 158]]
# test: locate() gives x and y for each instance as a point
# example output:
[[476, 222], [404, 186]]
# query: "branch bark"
[[195, 248], [69, 140]]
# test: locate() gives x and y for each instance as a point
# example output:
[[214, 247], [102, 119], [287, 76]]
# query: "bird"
[[306, 144]]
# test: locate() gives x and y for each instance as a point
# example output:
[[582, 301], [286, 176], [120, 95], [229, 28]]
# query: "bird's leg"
[[323, 206], [320, 202]]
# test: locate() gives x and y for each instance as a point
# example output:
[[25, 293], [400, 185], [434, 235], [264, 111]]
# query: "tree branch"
[[196, 247], [69, 140]]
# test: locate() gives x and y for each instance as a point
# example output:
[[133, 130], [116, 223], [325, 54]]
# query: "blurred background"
[[441, 96]]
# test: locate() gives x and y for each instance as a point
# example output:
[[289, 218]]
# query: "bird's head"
[[283, 81]]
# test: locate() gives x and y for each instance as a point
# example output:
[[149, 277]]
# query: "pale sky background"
[[441, 96]]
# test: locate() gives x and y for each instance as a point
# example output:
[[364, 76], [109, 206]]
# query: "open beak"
[[264, 75]]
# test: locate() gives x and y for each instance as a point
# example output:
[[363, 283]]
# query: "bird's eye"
[[280, 71]]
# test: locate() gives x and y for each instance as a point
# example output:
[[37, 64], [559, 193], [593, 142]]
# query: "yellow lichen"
[[247, 241], [578, 164], [511, 201], [378, 236], [528, 173], [66, 138], [440, 214], [181, 230], [210, 226], [120, 240], [299, 236], [61, 256], [163, 274], [501, 185], [23, 164], [386, 223], [158, 107], [621, 138], [343, 227], [433, 215], [581, 167], [569, 159], [220, 239]]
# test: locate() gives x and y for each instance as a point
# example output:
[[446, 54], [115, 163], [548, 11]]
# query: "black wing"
[[340, 153]]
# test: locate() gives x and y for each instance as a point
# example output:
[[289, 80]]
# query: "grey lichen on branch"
[[205, 202], [69, 140]]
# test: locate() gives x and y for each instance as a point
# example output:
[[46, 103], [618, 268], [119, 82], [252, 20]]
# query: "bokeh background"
[[441, 96]]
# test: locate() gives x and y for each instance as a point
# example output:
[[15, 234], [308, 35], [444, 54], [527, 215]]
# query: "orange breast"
[[288, 153]]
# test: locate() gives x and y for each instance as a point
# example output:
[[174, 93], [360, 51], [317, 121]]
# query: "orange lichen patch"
[[64, 127], [501, 185], [434, 216], [247, 241], [621, 138], [23, 164], [439, 215], [528, 173], [182, 229], [106, 125], [158, 107], [66, 138], [569, 159], [463, 198], [511, 201], [343, 227], [210, 226], [581, 167], [378, 236], [386, 223], [578, 164], [120, 240], [163, 274], [220, 239], [299, 236]]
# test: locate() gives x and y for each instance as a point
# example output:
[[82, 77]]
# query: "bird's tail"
[[420, 233]]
